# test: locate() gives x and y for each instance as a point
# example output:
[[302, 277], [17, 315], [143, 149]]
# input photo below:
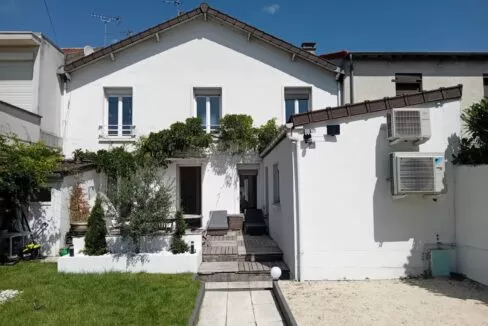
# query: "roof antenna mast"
[[106, 20], [177, 3]]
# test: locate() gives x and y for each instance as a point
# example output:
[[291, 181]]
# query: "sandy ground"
[[395, 302]]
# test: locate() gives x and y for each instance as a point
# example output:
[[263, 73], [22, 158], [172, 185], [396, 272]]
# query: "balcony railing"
[[122, 132]]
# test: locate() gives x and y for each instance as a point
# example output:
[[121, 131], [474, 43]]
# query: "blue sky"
[[358, 25]]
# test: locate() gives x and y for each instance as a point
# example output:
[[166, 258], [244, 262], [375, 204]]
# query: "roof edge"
[[372, 106], [274, 143], [204, 9]]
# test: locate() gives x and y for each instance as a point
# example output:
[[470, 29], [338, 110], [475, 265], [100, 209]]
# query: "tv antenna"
[[178, 4], [106, 20]]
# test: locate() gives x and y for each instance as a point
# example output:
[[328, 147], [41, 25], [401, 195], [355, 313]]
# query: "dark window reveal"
[[485, 85], [43, 195], [408, 83]]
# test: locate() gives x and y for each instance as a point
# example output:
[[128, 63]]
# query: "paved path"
[[239, 307]]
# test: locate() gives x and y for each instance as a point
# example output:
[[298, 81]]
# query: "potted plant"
[[79, 209]]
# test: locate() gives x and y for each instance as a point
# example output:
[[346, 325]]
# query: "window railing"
[[117, 131]]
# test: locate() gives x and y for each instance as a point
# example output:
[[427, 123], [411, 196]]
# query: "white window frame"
[[208, 92], [120, 93], [297, 93], [276, 184]]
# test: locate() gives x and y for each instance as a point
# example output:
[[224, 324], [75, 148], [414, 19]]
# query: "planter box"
[[235, 221], [163, 263]]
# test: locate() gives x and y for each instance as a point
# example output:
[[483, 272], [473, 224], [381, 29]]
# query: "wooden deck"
[[240, 267]]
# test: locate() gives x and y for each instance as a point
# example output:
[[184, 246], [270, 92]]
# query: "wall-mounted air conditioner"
[[408, 125], [420, 173]]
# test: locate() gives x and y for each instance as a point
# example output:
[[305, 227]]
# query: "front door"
[[248, 189], [191, 190]]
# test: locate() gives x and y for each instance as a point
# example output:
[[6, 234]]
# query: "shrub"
[[144, 202], [95, 242], [178, 245], [474, 148]]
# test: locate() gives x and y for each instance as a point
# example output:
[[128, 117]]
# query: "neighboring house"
[[22, 123], [202, 63], [331, 208], [29, 83], [379, 74]]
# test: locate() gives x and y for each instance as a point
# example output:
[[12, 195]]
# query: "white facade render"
[[200, 67], [339, 219], [29, 64]]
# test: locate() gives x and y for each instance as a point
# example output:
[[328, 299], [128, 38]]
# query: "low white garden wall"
[[164, 262], [155, 257], [471, 202]]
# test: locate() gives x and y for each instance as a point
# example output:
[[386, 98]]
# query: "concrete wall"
[[50, 92], [351, 226], [373, 78], [281, 215], [163, 74], [472, 222], [56, 212], [24, 124]]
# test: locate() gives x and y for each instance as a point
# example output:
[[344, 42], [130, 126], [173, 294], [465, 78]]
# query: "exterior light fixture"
[[192, 247], [275, 273], [307, 136]]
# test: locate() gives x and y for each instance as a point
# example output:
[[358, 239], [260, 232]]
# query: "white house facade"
[[331, 209], [198, 67], [29, 82]]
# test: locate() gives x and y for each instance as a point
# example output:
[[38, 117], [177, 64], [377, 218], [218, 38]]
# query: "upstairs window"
[[408, 83], [297, 100], [119, 113], [485, 85], [208, 103]]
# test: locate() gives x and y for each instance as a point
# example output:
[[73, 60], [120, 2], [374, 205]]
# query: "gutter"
[[351, 80], [297, 211]]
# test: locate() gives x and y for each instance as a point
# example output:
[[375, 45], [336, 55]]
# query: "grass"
[[52, 298]]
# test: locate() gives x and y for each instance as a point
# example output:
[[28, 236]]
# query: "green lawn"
[[51, 298]]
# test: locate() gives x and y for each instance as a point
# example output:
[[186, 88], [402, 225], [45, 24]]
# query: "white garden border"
[[155, 258], [164, 262]]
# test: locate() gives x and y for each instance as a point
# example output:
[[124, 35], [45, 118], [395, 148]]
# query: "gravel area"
[[394, 302], [6, 295]]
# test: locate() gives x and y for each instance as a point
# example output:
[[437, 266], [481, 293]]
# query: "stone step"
[[240, 271], [261, 257]]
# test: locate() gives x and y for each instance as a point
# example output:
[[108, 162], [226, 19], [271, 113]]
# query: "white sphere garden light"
[[275, 273]]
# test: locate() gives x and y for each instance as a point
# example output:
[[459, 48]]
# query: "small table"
[[11, 236]]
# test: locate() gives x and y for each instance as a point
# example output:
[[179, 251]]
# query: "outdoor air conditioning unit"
[[417, 173], [408, 125]]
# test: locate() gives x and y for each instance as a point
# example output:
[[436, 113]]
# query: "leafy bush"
[[474, 148], [95, 242], [237, 133], [178, 245], [24, 168], [144, 202], [266, 134]]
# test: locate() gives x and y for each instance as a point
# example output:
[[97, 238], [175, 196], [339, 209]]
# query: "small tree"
[[474, 147], [178, 245], [95, 242], [79, 208], [144, 202]]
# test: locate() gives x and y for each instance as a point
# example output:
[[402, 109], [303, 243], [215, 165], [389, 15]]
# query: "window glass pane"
[[289, 108], [214, 112], [126, 115], [302, 106], [202, 109], [113, 115]]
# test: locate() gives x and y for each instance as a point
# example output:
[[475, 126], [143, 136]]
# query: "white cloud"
[[271, 9]]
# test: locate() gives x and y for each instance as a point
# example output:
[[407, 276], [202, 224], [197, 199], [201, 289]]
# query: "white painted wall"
[[373, 78], [351, 227], [472, 221], [56, 212], [24, 124], [162, 75], [50, 91], [281, 215]]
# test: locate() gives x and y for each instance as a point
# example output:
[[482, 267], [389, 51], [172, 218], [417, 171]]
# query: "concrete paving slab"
[[261, 297], [266, 313]]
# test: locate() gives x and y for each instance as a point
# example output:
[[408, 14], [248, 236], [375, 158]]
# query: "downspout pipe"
[[351, 80], [297, 222]]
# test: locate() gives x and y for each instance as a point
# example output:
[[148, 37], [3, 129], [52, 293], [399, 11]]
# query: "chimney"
[[309, 46]]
